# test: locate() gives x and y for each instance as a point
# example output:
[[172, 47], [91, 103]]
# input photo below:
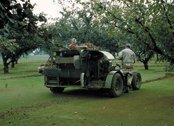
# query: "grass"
[[26, 66], [25, 101]]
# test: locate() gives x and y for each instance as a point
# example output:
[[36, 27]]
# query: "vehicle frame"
[[90, 69]]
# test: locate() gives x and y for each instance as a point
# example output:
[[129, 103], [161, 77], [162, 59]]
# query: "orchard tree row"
[[147, 24], [19, 32]]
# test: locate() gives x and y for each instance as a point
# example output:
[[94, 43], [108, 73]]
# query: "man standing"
[[128, 57]]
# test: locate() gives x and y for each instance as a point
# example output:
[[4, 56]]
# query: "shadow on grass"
[[91, 93], [84, 93], [101, 94]]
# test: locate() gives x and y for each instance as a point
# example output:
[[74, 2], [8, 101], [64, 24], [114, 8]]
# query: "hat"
[[128, 45]]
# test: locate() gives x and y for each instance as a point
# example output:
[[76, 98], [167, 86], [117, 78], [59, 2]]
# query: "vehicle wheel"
[[116, 86], [136, 81], [57, 90]]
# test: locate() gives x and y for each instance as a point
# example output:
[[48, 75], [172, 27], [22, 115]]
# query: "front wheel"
[[57, 90], [116, 86], [136, 81]]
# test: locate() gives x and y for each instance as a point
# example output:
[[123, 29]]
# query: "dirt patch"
[[21, 77], [147, 81], [24, 109], [160, 78], [5, 90], [31, 71]]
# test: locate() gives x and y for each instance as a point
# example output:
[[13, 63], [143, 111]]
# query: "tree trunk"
[[157, 57], [12, 64], [6, 68], [145, 62], [5, 64], [13, 61], [171, 62]]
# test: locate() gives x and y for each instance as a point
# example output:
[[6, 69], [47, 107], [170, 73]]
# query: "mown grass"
[[26, 66], [152, 105], [25, 101]]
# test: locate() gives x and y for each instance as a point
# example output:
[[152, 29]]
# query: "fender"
[[109, 78]]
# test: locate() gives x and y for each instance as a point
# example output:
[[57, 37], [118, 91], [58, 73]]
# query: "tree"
[[143, 53], [85, 27], [144, 56], [99, 29], [16, 21], [23, 43], [150, 23]]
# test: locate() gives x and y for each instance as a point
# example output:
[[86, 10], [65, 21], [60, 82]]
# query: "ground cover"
[[25, 100], [26, 66]]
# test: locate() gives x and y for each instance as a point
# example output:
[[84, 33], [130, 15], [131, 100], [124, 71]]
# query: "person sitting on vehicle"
[[128, 59], [127, 56], [73, 43]]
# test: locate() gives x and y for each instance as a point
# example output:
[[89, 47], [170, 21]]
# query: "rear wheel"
[[57, 90], [136, 81], [116, 86]]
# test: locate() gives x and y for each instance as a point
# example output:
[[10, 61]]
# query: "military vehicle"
[[90, 69]]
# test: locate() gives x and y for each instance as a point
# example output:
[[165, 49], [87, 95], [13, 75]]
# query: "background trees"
[[85, 27], [149, 23], [18, 30]]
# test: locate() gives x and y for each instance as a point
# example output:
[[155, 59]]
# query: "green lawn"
[[26, 66], [25, 101]]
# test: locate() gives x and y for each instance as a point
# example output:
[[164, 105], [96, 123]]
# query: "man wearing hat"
[[128, 57]]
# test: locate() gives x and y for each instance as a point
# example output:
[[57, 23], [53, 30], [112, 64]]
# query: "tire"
[[116, 86], [57, 90], [136, 81]]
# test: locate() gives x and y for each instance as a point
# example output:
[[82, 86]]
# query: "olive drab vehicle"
[[88, 69]]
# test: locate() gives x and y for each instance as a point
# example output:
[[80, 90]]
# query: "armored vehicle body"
[[88, 69]]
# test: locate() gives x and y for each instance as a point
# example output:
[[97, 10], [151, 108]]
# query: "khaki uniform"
[[127, 56], [128, 59]]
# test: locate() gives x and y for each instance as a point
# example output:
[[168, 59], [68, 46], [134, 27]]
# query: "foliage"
[[19, 12], [7, 45], [98, 27], [83, 24], [169, 69], [149, 23], [143, 54], [18, 22]]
